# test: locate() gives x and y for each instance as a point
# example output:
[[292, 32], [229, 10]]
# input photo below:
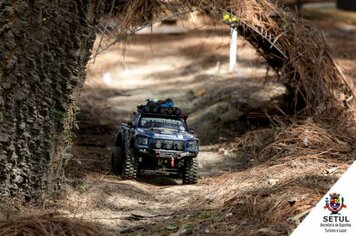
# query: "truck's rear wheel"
[[116, 160], [190, 171], [130, 165]]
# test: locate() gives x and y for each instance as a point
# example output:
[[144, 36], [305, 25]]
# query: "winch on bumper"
[[164, 157]]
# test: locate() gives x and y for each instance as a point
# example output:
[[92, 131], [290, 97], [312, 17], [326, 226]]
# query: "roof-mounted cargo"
[[161, 107]]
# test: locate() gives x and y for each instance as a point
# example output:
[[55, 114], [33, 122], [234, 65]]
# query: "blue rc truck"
[[157, 139]]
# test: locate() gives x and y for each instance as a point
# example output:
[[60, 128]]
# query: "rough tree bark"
[[44, 48]]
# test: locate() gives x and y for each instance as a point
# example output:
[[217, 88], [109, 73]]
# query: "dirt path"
[[187, 68]]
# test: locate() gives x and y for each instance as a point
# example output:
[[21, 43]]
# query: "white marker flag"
[[335, 214]]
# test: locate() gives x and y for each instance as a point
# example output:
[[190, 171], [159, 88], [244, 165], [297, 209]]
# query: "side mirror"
[[129, 124], [191, 131]]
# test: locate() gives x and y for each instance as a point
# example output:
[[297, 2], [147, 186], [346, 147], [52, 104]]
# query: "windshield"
[[164, 123]]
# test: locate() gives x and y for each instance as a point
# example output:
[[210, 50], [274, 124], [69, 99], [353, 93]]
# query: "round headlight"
[[192, 145], [179, 145], [158, 144], [143, 141], [169, 144]]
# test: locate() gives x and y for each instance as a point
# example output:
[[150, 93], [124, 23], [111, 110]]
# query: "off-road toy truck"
[[158, 139]]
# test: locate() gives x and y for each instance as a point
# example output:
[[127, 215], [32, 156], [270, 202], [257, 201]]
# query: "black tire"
[[118, 140], [190, 171], [130, 165], [116, 160], [155, 109], [177, 111], [169, 111], [146, 109], [151, 103]]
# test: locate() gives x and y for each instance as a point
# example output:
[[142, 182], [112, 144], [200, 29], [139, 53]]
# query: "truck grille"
[[167, 144]]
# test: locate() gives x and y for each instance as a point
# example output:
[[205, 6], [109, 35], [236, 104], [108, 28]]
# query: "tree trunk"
[[349, 5], [44, 48]]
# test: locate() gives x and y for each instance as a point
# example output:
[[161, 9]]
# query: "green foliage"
[[58, 116], [133, 234], [169, 229], [207, 215]]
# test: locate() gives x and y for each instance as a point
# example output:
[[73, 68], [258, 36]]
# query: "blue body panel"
[[163, 134]]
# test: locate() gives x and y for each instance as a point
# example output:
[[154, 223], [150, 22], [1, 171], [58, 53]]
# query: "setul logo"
[[331, 216], [335, 204], [335, 222]]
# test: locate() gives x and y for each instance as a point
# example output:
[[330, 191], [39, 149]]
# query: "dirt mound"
[[230, 108]]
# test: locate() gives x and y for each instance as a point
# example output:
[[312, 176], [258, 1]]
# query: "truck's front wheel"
[[190, 171], [130, 165], [116, 160]]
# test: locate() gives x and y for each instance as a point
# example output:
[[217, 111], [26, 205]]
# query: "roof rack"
[[158, 110], [161, 107]]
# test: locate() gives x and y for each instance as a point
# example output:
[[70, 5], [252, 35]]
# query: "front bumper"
[[160, 153], [164, 160]]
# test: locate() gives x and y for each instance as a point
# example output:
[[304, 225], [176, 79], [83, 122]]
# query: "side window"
[[136, 120]]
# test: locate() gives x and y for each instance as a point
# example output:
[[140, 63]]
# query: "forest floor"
[[236, 192]]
